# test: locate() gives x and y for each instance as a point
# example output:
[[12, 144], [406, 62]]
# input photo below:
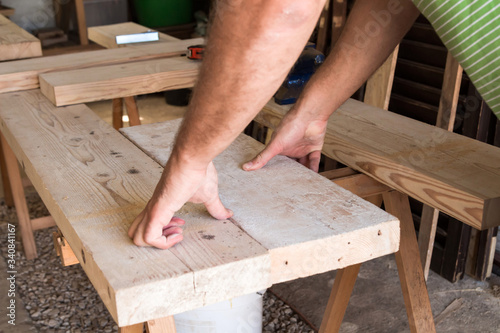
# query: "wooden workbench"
[[289, 222]]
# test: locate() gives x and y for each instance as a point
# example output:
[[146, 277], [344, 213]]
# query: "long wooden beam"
[[23, 74], [455, 174], [115, 81], [17, 43]]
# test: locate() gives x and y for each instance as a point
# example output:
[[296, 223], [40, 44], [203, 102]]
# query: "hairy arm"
[[372, 31], [251, 47]]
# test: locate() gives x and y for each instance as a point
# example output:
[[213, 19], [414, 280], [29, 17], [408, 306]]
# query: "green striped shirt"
[[470, 29]]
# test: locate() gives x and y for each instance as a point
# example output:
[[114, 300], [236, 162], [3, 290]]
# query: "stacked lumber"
[[16, 43], [23, 74], [105, 35]]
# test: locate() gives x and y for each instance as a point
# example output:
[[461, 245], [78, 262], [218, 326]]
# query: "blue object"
[[307, 64]]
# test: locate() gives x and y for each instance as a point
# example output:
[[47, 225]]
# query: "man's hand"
[[155, 225], [295, 138]]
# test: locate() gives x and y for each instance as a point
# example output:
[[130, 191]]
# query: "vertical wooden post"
[[7, 191], [339, 13], [22, 212], [339, 298], [323, 28], [117, 113], [411, 275], [82, 22], [379, 85], [445, 119], [132, 111]]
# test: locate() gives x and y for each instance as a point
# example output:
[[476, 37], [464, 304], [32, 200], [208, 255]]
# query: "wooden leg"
[[117, 113], [411, 275], [7, 191], [82, 22], [19, 201], [163, 325], [426, 235], [137, 328], [339, 298], [132, 111]]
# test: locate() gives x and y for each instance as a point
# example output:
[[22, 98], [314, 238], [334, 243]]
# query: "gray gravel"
[[62, 299]]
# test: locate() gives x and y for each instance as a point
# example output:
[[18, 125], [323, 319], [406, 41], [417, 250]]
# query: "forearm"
[[372, 31], [251, 47]]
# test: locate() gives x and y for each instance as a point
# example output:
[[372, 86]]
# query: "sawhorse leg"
[[411, 275], [132, 111], [22, 212], [163, 325], [339, 298]]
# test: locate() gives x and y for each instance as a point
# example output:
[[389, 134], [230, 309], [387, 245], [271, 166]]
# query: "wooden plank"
[[42, 223], [104, 35], [323, 27], [137, 328], [312, 225], [458, 175], [16, 43], [6, 11], [379, 85], [362, 185], [339, 298], [23, 74], [114, 81], [95, 182], [339, 14]]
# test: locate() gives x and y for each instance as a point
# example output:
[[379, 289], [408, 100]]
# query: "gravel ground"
[[62, 299]]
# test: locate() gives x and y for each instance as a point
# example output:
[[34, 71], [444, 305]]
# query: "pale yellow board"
[[309, 224], [455, 174], [105, 35], [115, 81], [94, 182], [16, 43], [23, 74]]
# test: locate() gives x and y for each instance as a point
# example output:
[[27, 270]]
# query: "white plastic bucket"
[[241, 314]]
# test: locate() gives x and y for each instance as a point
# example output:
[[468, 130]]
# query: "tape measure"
[[195, 52]]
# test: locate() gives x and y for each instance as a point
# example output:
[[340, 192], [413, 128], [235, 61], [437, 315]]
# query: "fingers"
[[314, 159], [155, 233], [264, 156], [217, 209]]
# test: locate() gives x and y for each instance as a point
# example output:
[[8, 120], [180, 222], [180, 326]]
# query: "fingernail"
[[231, 213], [247, 165], [172, 236]]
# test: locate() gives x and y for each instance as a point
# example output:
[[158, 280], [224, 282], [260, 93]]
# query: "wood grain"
[[6, 11], [379, 85], [455, 174], [23, 74], [16, 43], [105, 35], [113, 81], [311, 224], [94, 183]]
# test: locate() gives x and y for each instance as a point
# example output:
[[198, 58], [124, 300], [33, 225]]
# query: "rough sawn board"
[[309, 224]]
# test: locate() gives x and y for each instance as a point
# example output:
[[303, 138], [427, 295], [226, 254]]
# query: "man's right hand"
[[295, 137]]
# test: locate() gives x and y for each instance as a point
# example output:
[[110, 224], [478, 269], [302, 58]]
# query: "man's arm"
[[251, 46], [372, 31]]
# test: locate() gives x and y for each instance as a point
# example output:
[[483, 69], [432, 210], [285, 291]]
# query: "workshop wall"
[[32, 14]]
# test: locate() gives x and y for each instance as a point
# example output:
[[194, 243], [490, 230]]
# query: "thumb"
[[217, 209], [262, 158]]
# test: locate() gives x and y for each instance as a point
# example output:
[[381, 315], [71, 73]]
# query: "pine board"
[[105, 35], [455, 174], [116, 81], [94, 182], [16, 43], [309, 224], [23, 74], [6, 11]]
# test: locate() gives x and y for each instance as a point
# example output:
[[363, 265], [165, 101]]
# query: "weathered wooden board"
[[115, 81], [94, 182], [23, 74], [6, 11], [104, 35], [309, 224], [17, 43], [455, 174]]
